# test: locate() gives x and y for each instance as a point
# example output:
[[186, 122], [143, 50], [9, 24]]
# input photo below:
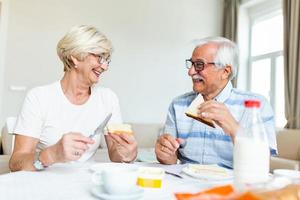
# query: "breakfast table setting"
[[95, 180], [87, 181]]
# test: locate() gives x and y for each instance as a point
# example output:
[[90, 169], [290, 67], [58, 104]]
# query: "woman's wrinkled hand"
[[124, 145], [70, 147]]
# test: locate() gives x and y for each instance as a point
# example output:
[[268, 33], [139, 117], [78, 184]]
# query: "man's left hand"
[[220, 114]]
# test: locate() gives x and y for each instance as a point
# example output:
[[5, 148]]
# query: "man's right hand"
[[69, 148], [166, 149]]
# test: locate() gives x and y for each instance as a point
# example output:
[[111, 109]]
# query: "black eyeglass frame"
[[199, 65]]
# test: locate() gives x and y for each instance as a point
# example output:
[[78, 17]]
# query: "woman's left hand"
[[124, 147]]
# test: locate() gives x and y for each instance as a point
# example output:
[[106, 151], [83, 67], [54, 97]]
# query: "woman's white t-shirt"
[[47, 114]]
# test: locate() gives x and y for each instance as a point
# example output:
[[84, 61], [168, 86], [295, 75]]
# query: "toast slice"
[[120, 129], [193, 109]]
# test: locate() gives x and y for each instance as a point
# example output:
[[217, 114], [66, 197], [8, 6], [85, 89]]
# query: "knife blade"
[[100, 128], [174, 174]]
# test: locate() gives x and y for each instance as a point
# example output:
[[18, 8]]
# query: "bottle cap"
[[252, 103]]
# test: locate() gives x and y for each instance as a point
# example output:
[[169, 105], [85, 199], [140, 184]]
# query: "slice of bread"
[[120, 129], [193, 109], [211, 169]]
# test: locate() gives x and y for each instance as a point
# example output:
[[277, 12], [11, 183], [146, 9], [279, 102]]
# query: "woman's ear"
[[75, 61], [227, 72]]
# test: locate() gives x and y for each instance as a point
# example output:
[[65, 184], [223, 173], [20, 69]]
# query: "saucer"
[[292, 174], [134, 195]]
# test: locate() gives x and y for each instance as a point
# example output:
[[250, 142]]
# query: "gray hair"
[[227, 53], [79, 42]]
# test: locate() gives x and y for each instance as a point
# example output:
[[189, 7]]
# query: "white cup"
[[117, 180]]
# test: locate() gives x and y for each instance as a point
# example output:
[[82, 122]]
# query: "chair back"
[[8, 138], [288, 143]]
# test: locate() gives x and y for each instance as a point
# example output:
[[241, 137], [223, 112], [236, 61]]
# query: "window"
[[266, 61], [261, 52]]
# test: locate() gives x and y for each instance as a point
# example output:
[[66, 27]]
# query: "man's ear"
[[227, 71]]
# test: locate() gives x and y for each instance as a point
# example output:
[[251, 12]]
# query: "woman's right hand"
[[70, 147]]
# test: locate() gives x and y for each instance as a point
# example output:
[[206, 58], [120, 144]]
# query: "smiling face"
[[211, 80], [89, 69]]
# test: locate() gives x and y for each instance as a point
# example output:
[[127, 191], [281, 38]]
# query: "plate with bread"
[[208, 172]]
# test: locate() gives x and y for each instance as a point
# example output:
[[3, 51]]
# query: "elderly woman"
[[56, 120]]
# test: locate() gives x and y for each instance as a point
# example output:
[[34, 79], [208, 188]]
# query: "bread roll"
[[193, 109], [120, 129]]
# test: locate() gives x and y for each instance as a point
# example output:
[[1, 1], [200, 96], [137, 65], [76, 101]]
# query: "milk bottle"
[[251, 150]]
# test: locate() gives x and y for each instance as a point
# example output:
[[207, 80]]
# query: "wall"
[[151, 41], [3, 32]]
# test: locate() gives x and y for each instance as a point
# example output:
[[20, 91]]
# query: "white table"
[[73, 181]]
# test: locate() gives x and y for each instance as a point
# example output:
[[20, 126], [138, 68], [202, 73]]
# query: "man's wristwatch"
[[38, 165]]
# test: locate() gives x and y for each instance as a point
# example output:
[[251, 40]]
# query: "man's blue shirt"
[[207, 145]]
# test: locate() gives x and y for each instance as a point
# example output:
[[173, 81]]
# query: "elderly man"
[[212, 66]]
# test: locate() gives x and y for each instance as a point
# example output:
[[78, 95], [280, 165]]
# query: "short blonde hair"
[[79, 42]]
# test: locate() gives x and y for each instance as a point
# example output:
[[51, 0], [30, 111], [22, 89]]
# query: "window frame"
[[258, 11], [272, 56]]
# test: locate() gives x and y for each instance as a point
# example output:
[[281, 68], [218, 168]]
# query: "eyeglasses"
[[198, 64], [104, 61]]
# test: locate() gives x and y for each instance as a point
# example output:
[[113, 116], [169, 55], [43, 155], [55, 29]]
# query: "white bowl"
[[293, 174]]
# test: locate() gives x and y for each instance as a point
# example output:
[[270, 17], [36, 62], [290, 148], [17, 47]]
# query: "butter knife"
[[173, 174], [100, 128]]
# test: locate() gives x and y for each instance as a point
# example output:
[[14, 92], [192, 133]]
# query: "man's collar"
[[225, 93]]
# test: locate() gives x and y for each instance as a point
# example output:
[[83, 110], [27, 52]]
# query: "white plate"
[[208, 172], [101, 166], [99, 192]]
